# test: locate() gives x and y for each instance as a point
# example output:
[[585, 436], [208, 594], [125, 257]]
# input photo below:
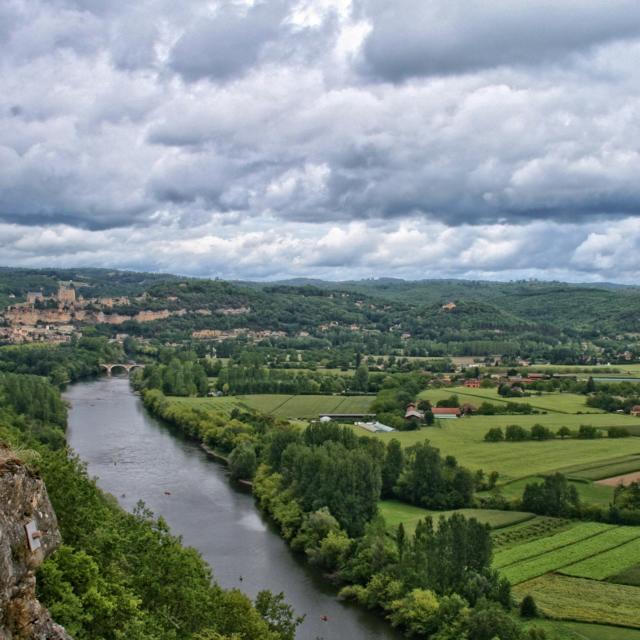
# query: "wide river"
[[136, 458]]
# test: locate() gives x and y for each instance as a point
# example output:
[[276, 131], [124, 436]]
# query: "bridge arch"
[[127, 366]]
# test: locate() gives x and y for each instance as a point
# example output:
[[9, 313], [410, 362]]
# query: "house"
[[446, 412], [635, 410], [412, 412], [472, 383]]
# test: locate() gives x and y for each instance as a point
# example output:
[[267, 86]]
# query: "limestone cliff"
[[28, 534]]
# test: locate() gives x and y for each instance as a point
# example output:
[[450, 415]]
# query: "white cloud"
[[265, 152]]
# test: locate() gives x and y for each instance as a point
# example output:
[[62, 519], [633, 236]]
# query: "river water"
[[136, 458]]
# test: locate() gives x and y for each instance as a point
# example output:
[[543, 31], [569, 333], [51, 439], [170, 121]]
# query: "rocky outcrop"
[[28, 534]]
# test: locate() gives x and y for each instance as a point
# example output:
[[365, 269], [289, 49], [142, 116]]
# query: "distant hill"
[[435, 317]]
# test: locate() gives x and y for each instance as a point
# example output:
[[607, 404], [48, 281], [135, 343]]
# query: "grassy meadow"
[[284, 405], [464, 438], [395, 512], [551, 402], [559, 596]]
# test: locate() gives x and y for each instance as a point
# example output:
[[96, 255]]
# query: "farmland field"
[[553, 559], [396, 512], [629, 576], [464, 439], [561, 630], [284, 405], [589, 492], [536, 548], [584, 600], [606, 564], [554, 402]]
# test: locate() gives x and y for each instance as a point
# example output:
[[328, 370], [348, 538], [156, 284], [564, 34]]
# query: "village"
[[57, 318]]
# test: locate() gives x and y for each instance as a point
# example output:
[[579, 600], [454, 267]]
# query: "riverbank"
[[135, 457]]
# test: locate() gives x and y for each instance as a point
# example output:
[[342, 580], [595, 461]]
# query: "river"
[[136, 458]]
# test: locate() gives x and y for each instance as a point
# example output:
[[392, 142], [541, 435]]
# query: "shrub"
[[618, 432], [587, 432], [528, 607], [516, 433], [494, 435], [540, 432]]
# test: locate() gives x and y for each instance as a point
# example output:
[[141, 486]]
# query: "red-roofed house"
[[635, 411], [472, 383]]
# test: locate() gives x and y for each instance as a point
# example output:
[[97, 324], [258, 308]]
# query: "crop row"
[[569, 598], [539, 528], [567, 555], [537, 547], [606, 564]]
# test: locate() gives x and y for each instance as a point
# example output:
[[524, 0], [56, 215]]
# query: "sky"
[[338, 139]]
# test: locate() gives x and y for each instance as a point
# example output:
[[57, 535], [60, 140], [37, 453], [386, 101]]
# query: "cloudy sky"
[[330, 138]]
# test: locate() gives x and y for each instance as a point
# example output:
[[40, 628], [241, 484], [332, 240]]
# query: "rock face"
[[24, 501]]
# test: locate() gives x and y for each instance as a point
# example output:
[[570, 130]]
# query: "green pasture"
[[630, 576], [583, 600], [464, 438], [223, 404], [395, 512], [284, 405], [589, 493], [560, 630], [553, 402]]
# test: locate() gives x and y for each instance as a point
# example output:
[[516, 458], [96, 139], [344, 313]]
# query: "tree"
[[555, 496], [361, 378], [516, 433], [278, 614], [392, 467], [494, 435], [243, 462], [528, 607], [540, 432], [591, 385], [564, 432]]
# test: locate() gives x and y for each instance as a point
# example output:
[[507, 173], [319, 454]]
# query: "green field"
[[584, 600], [554, 557], [535, 548], [283, 405], [630, 576], [553, 402], [589, 493], [560, 630], [463, 438], [606, 564], [529, 530], [395, 512]]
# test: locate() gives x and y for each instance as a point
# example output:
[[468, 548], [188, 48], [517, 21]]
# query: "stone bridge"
[[127, 366]]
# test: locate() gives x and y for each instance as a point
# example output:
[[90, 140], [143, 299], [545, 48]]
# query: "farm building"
[[472, 383], [635, 411], [413, 412], [346, 416], [375, 427], [446, 412]]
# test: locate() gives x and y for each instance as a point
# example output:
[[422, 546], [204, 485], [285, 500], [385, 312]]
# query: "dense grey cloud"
[[337, 137], [431, 37]]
